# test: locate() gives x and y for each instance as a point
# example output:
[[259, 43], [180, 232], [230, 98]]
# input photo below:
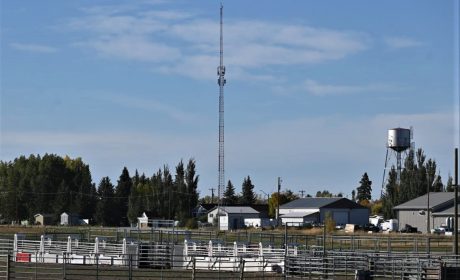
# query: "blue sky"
[[312, 86]]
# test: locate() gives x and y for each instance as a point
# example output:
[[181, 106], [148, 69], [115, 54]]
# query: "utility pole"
[[268, 196], [456, 204], [212, 194], [428, 231], [301, 193], [278, 202]]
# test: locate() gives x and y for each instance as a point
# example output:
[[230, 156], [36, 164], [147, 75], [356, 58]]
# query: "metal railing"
[[375, 242], [336, 265]]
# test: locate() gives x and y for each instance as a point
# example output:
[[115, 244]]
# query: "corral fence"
[[376, 241], [101, 259], [346, 265]]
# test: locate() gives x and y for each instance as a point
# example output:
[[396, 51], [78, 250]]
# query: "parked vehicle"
[[389, 225], [371, 227], [409, 229]]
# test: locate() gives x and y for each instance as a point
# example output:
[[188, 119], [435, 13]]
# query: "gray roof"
[[299, 214], [447, 212], [239, 210], [437, 199], [310, 202]]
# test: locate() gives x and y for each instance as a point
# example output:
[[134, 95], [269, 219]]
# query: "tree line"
[[52, 185], [418, 176]]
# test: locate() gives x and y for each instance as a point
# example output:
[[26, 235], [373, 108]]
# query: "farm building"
[[232, 217], [70, 219], [413, 212], [143, 220], [204, 208], [314, 209], [43, 219]]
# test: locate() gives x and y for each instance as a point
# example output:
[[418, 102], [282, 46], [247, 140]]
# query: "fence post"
[[242, 268], [428, 245], [8, 266], [35, 270], [193, 268], [63, 265], [130, 267], [97, 266]]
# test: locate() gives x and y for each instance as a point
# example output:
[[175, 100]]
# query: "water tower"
[[399, 141]]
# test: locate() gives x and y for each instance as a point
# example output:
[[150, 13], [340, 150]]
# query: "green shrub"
[[191, 223], [329, 223]]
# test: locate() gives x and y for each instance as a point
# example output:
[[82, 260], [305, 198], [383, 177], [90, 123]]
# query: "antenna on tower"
[[221, 82]]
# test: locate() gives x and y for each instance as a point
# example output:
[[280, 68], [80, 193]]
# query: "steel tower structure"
[[221, 82]]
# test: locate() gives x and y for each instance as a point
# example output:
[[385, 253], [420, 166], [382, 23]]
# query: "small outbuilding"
[[70, 219], [314, 210], [232, 217], [143, 220], [43, 219]]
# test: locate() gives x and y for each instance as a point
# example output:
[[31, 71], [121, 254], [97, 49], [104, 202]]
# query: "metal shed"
[[232, 217], [413, 212], [342, 210]]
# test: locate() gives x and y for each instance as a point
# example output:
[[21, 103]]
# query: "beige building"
[[43, 219]]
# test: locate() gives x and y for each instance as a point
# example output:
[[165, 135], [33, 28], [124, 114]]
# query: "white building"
[[143, 221], [231, 217], [70, 219]]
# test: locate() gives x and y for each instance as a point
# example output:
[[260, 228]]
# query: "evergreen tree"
[[122, 192], [62, 201], [182, 193], [136, 178], [168, 185], [247, 194], [450, 184], [353, 195], [105, 203], [365, 189], [134, 207], [230, 196], [390, 197], [437, 185], [191, 180]]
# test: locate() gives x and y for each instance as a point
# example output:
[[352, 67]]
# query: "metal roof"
[[299, 214], [447, 212], [310, 202], [238, 210], [437, 199]]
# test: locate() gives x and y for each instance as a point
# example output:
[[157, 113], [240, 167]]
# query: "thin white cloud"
[[249, 44], [34, 48], [132, 48], [401, 42], [318, 89], [150, 105]]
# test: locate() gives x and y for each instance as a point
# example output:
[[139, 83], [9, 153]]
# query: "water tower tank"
[[399, 139]]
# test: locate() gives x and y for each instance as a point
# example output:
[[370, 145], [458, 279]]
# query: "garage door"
[[340, 217]]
